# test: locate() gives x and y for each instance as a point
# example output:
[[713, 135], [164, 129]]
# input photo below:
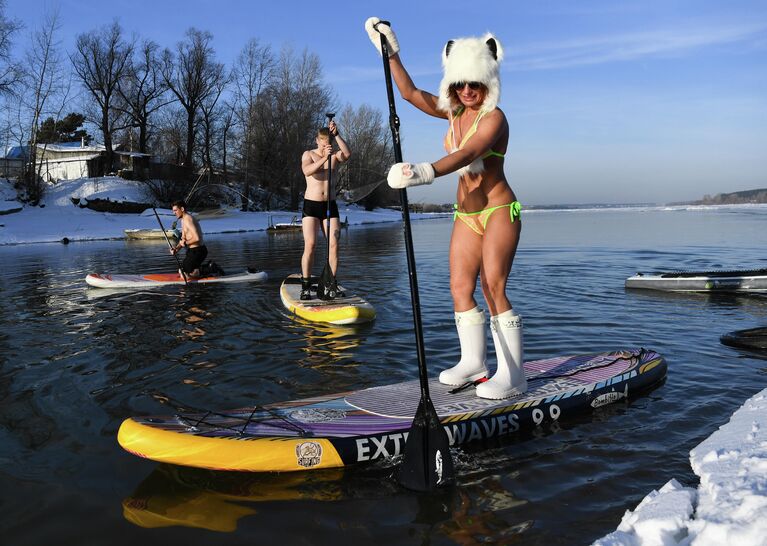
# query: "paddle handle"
[[170, 245], [411, 267]]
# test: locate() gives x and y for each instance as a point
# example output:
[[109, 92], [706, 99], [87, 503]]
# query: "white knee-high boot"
[[473, 337], [509, 379]]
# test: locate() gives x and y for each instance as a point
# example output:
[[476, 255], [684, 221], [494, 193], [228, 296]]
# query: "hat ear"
[[493, 47], [448, 47]]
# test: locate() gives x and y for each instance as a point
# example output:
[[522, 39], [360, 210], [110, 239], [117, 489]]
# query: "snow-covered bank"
[[60, 218], [730, 505]]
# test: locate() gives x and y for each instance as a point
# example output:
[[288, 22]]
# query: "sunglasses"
[[474, 86]]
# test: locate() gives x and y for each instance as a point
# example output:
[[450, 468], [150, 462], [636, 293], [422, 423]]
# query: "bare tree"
[[45, 92], [10, 70], [253, 72], [143, 91], [192, 75], [10, 77], [209, 121], [365, 172], [288, 120], [227, 126], [168, 140], [101, 61]]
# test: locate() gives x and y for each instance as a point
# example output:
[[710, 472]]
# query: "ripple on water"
[[74, 362]]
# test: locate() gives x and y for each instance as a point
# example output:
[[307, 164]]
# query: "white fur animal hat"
[[471, 60]]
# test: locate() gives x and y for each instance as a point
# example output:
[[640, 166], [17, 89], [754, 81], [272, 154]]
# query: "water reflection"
[[193, 316], [476, 510], [173, 495], [328, 345], [477, 519], [75, 362]]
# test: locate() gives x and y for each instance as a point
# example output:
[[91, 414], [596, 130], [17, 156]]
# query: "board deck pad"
[[349, 309], [716, 273], [293, 286], [344, 428], [545, 378]]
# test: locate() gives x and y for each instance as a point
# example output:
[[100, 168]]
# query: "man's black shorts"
[[194, 258], [319, 209]]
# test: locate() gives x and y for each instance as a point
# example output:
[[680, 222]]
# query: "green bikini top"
[[450, 145]]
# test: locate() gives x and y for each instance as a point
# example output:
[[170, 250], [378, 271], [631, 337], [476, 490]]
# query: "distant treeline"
[[248, 121], [734, 198]]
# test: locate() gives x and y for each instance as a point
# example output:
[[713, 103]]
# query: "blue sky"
[[610, 102]]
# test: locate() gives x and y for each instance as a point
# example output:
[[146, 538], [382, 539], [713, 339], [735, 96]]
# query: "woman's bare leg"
[[499, 245], [465, 261]]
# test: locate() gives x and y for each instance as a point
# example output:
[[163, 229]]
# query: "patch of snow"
[[108, 187], [59, 218], [730, 506]]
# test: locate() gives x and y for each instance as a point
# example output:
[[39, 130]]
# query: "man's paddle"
[[427, 461], [327, 287], [175, 255]]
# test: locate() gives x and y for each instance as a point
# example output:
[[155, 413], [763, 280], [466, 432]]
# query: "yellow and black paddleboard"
[[350, 309], [341, 429]]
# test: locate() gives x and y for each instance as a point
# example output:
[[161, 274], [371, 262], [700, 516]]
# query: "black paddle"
[[427, 461], [327, 287], [175, 255]]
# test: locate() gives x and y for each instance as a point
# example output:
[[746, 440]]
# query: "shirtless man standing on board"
[[314, 164]]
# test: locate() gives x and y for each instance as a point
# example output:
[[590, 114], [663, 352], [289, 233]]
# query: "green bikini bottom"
[[477, 221]]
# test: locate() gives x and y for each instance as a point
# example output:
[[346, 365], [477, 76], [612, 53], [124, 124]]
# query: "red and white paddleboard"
[[103, 280]]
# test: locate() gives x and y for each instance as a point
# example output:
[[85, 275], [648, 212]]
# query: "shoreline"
[[206, 223], [59, 220]]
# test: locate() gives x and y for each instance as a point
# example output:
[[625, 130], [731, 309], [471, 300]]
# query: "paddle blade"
[[427, 464], [327, 289]]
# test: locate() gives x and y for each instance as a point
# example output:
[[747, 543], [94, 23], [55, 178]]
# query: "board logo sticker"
[[609, 398], [308, 454], [317, 415]]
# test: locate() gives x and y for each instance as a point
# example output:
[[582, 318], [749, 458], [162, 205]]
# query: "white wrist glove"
[[404, 175], [375, 35]]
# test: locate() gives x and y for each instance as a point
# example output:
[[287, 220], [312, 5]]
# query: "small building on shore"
[[71, 160], [12, 165]]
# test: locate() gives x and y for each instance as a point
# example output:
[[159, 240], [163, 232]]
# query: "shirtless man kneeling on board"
[[191, 238], [314, 164]]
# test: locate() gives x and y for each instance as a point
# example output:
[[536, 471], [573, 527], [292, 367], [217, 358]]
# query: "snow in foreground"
[[730, 505]]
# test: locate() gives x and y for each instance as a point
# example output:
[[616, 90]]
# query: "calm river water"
[[74, 364]]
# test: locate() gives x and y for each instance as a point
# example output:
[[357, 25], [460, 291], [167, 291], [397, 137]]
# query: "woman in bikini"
[[486, 223]]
